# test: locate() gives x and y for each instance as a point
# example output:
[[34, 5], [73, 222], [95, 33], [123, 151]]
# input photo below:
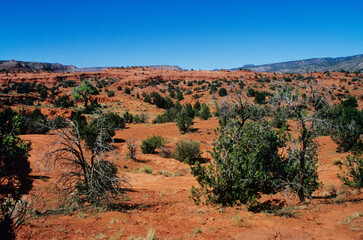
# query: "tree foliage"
[[150, 144], [222, 92], [88, 176], [348, 122], [187, 151], [309, 113], [184, 120], [14, 164], [205, 112], [353, 173], [83, 91], [63, 101], [246, 163], [197, 106], [34, 122], [14, 174]]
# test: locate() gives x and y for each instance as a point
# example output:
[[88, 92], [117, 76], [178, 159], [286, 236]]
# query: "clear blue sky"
[[190, 34]]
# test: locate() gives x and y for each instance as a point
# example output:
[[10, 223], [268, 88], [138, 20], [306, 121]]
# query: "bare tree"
[[84, 168], [237, 106], [306, 106], [13, 216], [132, 145]]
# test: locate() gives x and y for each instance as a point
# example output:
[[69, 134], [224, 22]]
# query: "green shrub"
[[161, 102], [197, 96], [150, 144], [94, 180], [141, 118], [110, 93], [189, 110], [102, 127], [279, 118], [79, 120], [205, 112], [93, 132], [127, 90], [43, 94], [351, 101], [250, 92], [260, 97], [279, 122], [147, 98], [15, 179], [83, 91], [168, 116], [113, 120], [197, 106], [172, 93], [241, 84], [184, 121], [102, 181], [287, 79], [187, 151], [213, 89], [129, 118], [164, 173], [146, 169], [25, 87], [188, 92], [131, 145], [63, 101], [222, 92], [246, 164], [34, 122], [353, 176], [348, 122], [165, 152], [93, 107], [179, 96], [57, 122]]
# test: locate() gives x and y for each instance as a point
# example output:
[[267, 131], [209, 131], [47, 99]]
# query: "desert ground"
[[161, 202]]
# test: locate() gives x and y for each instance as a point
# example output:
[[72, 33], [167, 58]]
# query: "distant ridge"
[[351, 63], [165, 67], [91, 69], [12, 65]]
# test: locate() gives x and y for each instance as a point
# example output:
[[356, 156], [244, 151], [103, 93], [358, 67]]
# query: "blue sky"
[[190, 34]]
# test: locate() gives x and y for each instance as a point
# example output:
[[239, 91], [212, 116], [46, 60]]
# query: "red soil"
[[162, 202]]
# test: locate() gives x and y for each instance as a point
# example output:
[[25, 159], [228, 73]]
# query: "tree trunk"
[[301, 193]]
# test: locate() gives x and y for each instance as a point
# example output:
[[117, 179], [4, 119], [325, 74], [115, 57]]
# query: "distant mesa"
[[165, 67], [12, 65], [16, 66], [351, 63], [91, 69]]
